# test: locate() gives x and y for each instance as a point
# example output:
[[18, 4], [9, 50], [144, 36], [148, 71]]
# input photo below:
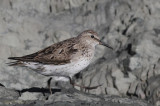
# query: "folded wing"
[[57, 54]]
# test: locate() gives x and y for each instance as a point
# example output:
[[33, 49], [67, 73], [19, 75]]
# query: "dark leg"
[[72, 83], [49, 85]]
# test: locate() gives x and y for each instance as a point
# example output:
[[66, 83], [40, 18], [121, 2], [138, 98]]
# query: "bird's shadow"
[[39, 90]]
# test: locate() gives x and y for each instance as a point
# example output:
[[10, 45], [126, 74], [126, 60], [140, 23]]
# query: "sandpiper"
[[65, 58]]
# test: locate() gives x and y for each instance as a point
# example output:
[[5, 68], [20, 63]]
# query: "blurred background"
[[131, 27]]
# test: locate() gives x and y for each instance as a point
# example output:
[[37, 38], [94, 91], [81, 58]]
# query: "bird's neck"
[[87, 51]]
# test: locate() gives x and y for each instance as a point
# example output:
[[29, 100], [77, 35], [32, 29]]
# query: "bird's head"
[[92, 38]]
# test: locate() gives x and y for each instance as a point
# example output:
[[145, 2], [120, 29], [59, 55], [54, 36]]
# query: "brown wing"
[[59, 53]]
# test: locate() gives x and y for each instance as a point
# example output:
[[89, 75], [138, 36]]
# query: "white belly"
[[61, 70], [66, 70]]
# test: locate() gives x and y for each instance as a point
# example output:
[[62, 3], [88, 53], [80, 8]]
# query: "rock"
[[68, 97], [153, 90], [8, 93], [132, 87], [80, 99], [112, 91], [30, 96], [131, 27], [122, 83]]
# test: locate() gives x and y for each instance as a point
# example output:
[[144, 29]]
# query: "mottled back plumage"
[[58, 53]]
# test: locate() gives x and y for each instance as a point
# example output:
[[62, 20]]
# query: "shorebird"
[[65, 58]]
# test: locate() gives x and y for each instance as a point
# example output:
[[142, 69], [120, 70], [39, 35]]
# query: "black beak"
[[104, 44]]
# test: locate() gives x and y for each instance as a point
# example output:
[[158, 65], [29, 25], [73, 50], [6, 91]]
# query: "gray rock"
[[30, 96], [131, 27], [122, 83], [8, 93], [67, 97], [80, 99], [153, 90]]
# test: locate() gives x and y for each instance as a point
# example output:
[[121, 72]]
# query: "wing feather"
[[58, 54]]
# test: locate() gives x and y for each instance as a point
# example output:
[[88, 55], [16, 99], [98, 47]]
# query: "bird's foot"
[[84, 87], [88, 87]]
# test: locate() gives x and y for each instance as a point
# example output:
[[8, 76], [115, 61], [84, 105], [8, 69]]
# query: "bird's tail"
[[15, 58], [15, 63]]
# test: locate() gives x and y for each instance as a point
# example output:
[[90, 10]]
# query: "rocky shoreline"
[[70, 97], [132, 69]]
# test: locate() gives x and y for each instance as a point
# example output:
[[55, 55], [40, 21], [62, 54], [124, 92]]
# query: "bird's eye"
[[92, 36]]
